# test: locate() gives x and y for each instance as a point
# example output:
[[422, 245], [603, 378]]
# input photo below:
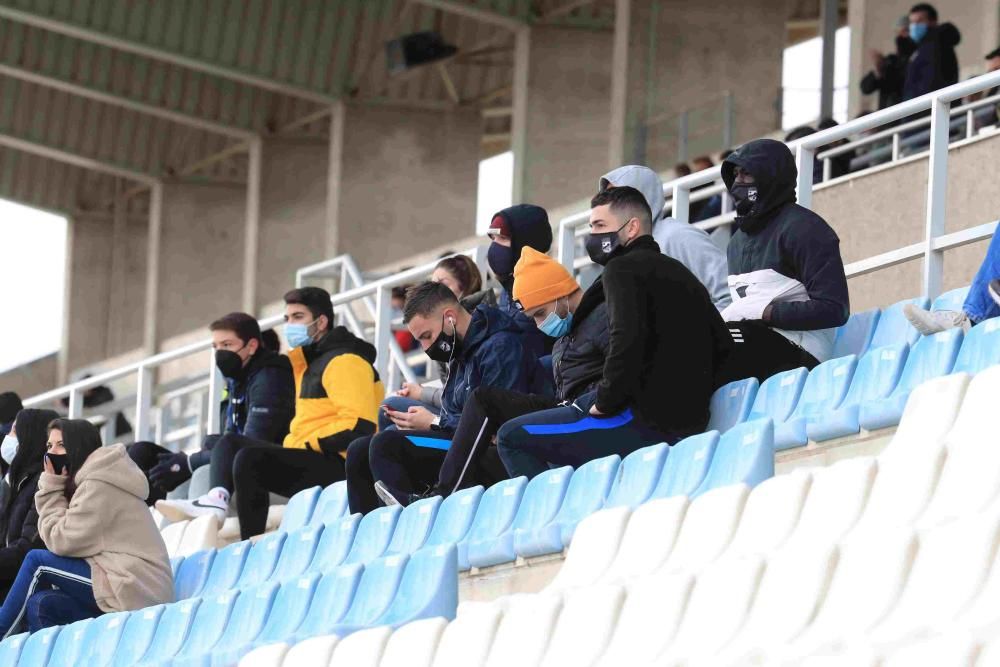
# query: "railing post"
[[383, 330], [567, 245], [804, 163], [970, 123], [681, 204], [937, 189], [214, 399], [895, 146], [682, 137], [827, 169], [143, 403], [75, 404]]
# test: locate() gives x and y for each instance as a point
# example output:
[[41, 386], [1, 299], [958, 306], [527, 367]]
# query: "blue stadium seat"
[[332, 504], [10, 649], [731, 404], [876, 376], [67, 647], [245, 622], [428, 589], [206, 627], [931, 357], [455, 516], [299, 509], [587, 490], [777, 397], [374, 594], [330, 602], [824, 391], [687, 465], [175, 564], [745, 454], [494, 516], [297, 554], [227, 566], [980, 349], [171, 633], [137, 635], [374, 534], [38, 648], [893, 327], [101, 639], [951, 300], [637, 476], [264, 555], [414, 525], [193, 573], [542, 499], [856, 334], [338, 537]]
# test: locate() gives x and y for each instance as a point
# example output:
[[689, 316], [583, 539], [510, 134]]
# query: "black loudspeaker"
[[415, 49]]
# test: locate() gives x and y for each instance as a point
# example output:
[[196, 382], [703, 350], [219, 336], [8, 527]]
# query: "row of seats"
[[880, 553]]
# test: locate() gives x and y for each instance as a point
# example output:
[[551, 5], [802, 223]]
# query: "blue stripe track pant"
[[404, 461], [569, 435], [49, 590]]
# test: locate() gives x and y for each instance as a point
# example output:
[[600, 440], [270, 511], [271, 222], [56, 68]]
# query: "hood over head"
[[643, 179], [772, 166], [32, 434], [527, 225], [112, 465]]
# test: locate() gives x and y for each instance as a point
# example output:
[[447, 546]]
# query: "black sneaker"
[[995, 290]]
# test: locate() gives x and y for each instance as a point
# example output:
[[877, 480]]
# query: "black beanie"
[[10, 405]]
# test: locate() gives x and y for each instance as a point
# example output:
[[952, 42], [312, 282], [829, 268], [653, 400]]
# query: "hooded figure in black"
[[19, 518], [786, 276], [933, 64]]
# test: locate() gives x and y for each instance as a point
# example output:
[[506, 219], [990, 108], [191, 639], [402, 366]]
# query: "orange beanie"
[[540, 279]]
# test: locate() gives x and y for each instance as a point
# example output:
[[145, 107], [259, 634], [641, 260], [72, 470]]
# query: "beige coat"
[[108, 524]]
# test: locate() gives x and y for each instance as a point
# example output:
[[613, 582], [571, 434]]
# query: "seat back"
[[210, 621], [648, 620], [199, 534], [467, 640], [335, 543], [523, 634], [951, 300], [837, 497], [542, 499], [649, 537], [454, 517], [227, 566], [931, 357], [826, 387], [731, 404], [248, 617], [709, 525], [361, 649], [10, 649], [771, 513], [175, 564], [376, 590], [588, 488], [876, 374], [300, 546], [893, 327], [637, 476], [36, 650], [594, 547], [414, 644], [192, 574], [856, 334], [497, 509], [289, 609], [980, 349], [260, 563], [331, 505], [299, 509], [777, 397], [172, 535], [414, 525], [585, 625], [745, 454], [333, 597], [374, 534], [171, 632], [927, 418], [137, 635], [687, 465], [67, 647], [101, 639], [428, 589]]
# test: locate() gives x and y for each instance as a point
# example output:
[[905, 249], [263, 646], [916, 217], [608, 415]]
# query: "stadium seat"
[[374, 534], [414, 525], [855, 336], [269, 655], [893, 327], [245, 622], [101, 639], [686, 466], [333, 597], [172, 535], [171, 633], [837, 498], [777, 397], [199, 534], [876, 376], [468, 639], [824, 391], [67, 648], [731, 404], [955, 648], [287, 612], [428, 589], [299, 509], [588, 487], [35, 651], [362, 649], [648, 539], [192, 574], [745, 454], [594, 548], [260, 563], [312, 651], [980, 349], [335, 544], [932, 356], [637, 476], [331, 505], [136, 635], [208, 624], [374, 594], [709, 526], [454, 517], [930, 413], [523, 634], [414, 644], [542, 498], [951, 300], [586, 623], [175, 564], [901, 492], [10, 649], [227, 566], [297, 553], [495, 514], [770, 515]]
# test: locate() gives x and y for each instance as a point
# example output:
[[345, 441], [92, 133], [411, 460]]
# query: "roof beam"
[[562, 10], [476, 13], [125, 103], [129, 46], [76, 160]]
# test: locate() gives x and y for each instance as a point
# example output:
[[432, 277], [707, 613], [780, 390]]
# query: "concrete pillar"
[[828, 32]]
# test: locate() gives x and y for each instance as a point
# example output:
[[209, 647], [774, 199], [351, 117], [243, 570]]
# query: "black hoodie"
[[933, 65]]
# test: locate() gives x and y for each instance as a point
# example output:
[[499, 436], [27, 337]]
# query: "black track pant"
[[759, 351]]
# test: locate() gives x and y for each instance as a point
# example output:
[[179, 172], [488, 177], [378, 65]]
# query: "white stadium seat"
[[523, 634], [585, 625], [414, 644], [649, 538]]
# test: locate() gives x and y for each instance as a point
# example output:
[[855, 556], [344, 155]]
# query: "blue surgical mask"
[[556, 326], [918, 31], [297, 334], [8, 450]]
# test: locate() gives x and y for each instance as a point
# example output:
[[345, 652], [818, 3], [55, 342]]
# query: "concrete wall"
[[33, 377]]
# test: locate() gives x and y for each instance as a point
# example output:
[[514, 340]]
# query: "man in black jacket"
[[666, 345], [888, 73], [786, 275], [933, 64], [260, 403]]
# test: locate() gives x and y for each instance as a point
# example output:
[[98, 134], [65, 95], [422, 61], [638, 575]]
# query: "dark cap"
[[10, 405]]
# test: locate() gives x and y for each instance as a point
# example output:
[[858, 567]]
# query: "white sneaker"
[[382, 491], [929, 322], [183, 510]]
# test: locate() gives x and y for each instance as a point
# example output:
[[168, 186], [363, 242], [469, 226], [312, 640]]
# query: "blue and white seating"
[[824, 390], [744, 455], [331, 504], [414, 526], [495, 514], [299, 509], [893, 328], [335, 544], [686, 466], [731, 404], [637, 476], [192, 575], [856, 335], [374, 534]]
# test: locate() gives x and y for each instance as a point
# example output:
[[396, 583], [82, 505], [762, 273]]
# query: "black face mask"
[[58, 461], [745, 197], [444, 346], [229, 364], [602, 247], [501, 261]]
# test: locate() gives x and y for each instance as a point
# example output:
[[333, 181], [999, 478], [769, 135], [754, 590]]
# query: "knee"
[[357, 457], [35, 558], [248, 462], [510, 436], [384, 446]]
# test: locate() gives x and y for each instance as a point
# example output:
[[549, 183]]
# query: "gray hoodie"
[[687, 244]]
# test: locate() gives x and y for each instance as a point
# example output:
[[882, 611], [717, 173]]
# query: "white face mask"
[[8, 450]]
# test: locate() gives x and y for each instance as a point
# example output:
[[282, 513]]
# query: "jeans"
[[40, 572], [979, 305], [404, 461]]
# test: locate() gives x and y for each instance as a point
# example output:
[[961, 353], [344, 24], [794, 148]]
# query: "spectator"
[[269, 341], [260, 405], [706, 208], [888, 73], [10, 405], [786, 275], [104, 553], [22, 452], [659, 372], [338, 395], [688, 245], [682, 169], [459, 274], [484, 348], [840, 165], [933, 64], [102, 395], [982, 302]]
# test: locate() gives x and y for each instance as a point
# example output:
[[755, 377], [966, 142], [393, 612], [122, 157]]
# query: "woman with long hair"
[[104, 552]]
